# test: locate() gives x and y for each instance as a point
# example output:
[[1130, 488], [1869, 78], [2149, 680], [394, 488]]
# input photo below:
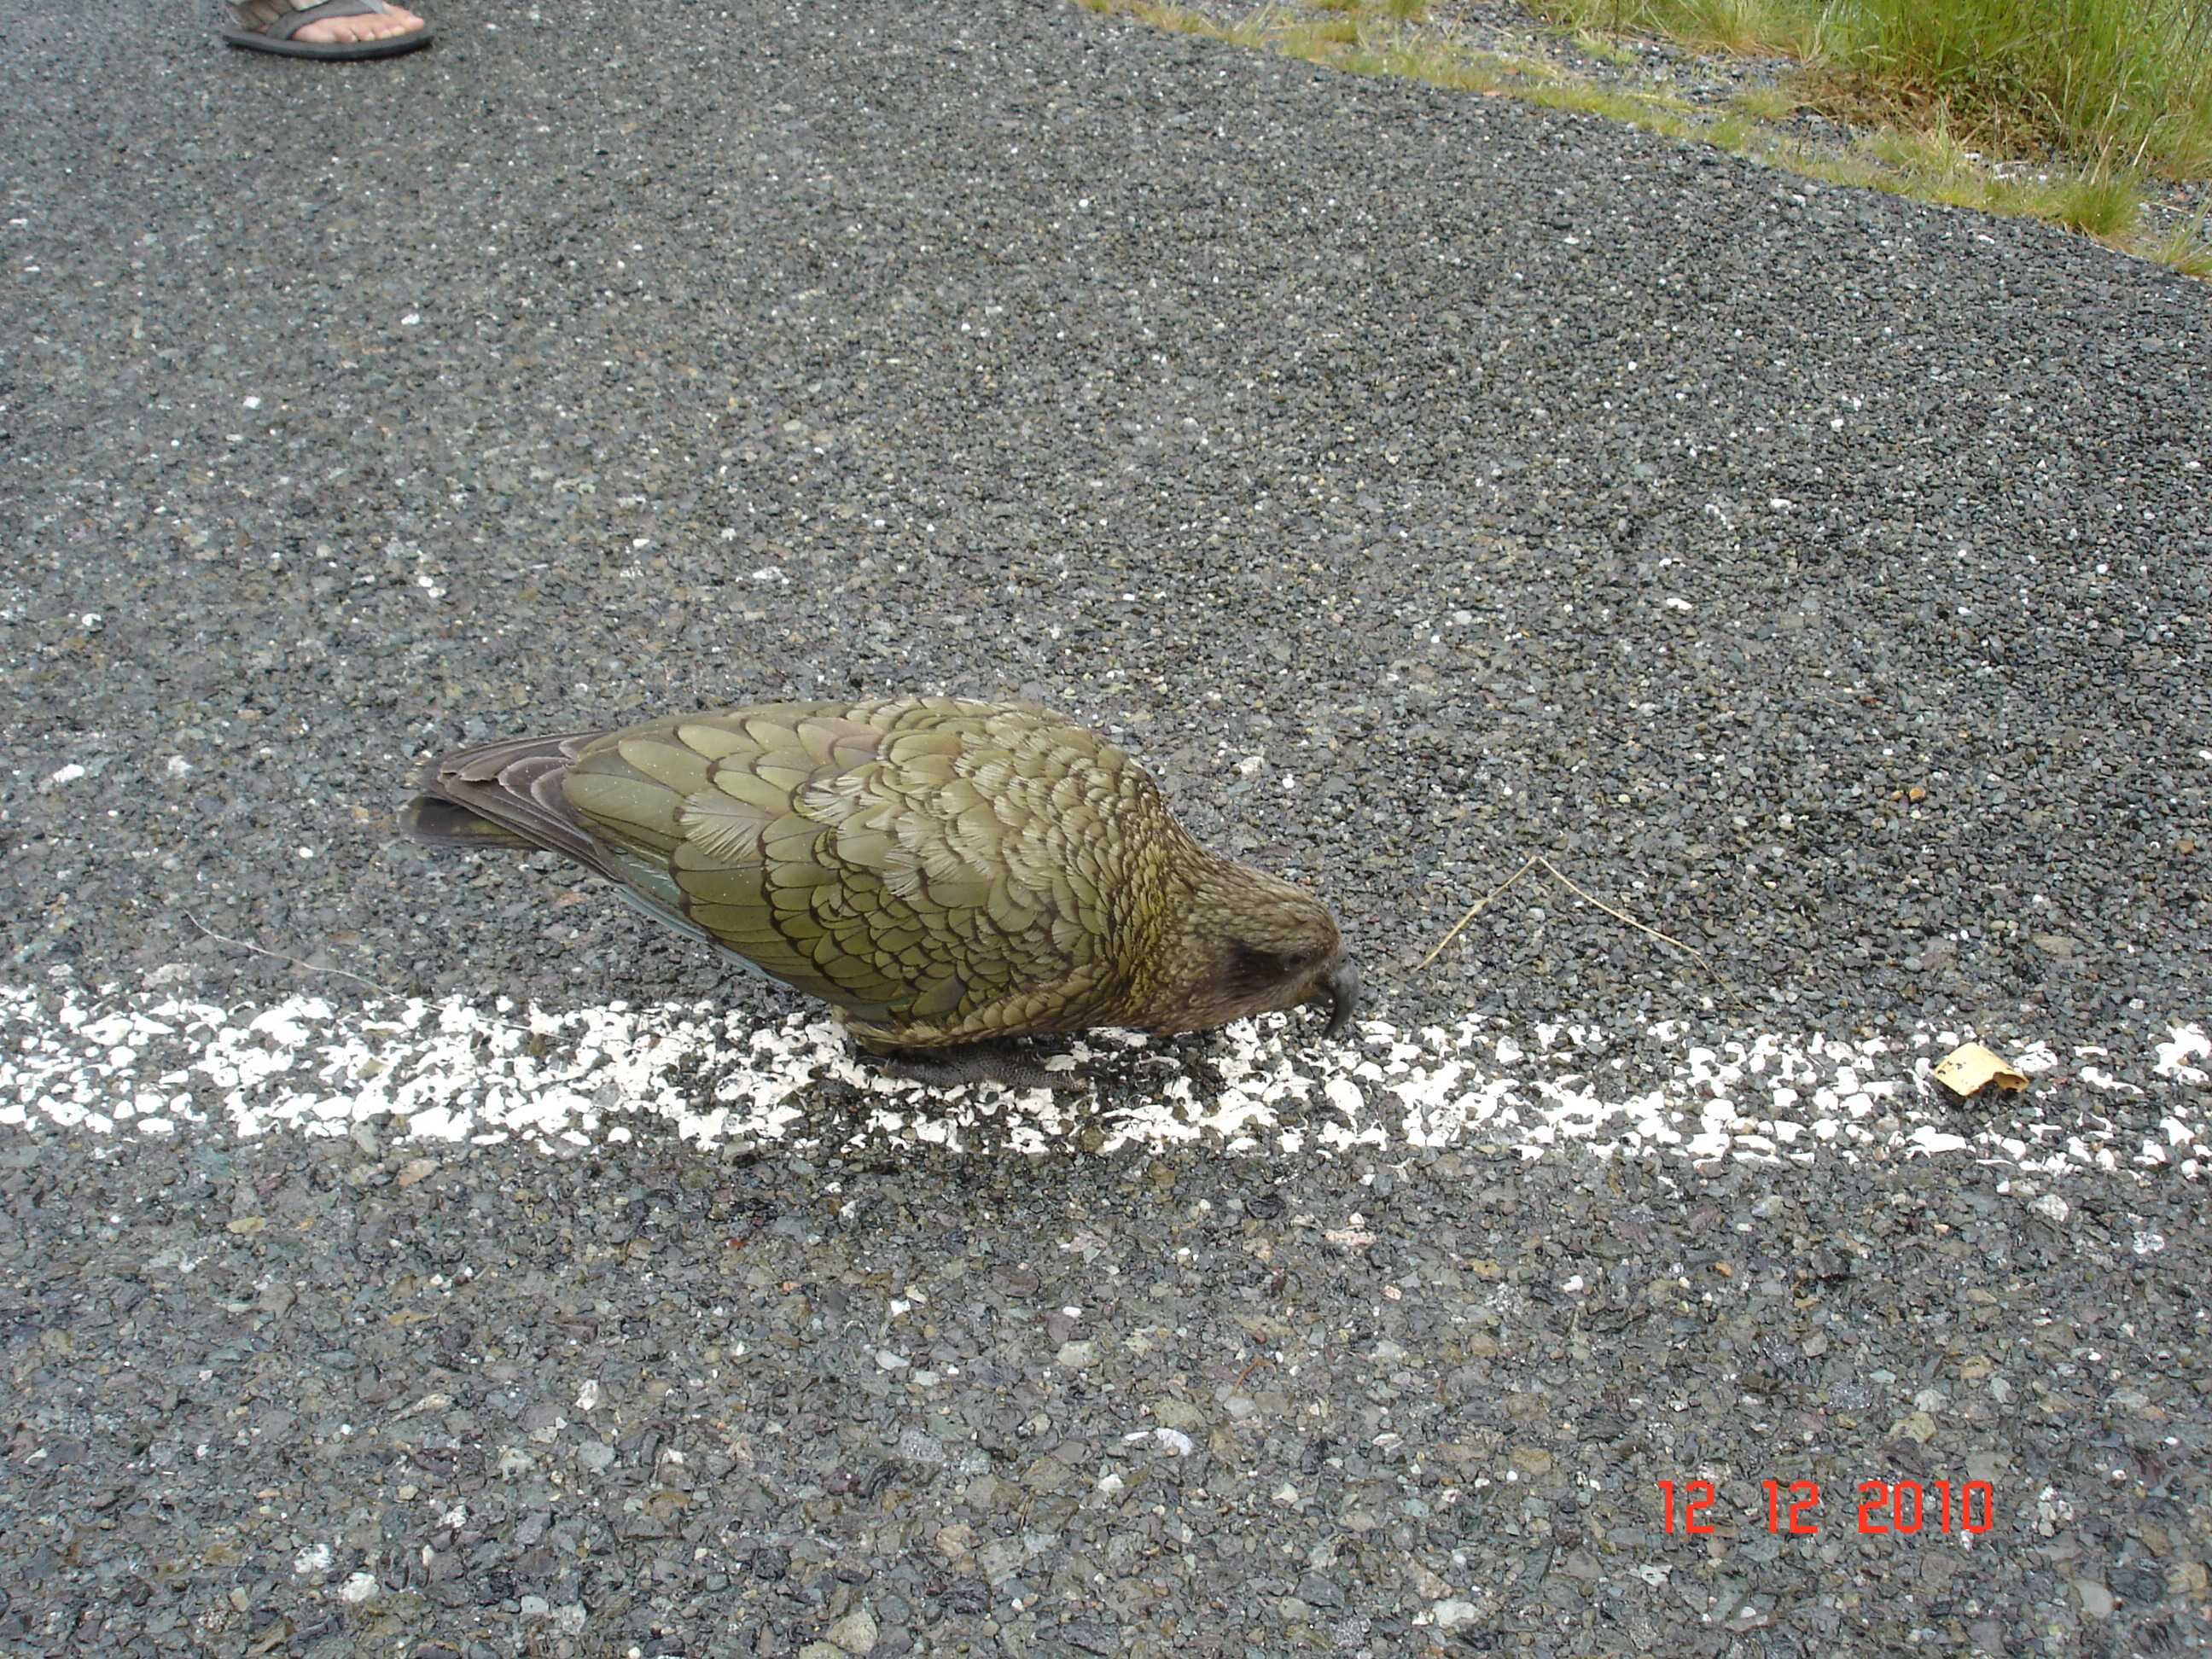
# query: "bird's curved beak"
[[1342, 988]]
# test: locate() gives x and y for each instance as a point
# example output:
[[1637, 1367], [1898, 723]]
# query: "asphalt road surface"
[[423, 1257]]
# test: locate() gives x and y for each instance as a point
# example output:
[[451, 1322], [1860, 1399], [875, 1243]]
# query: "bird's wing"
[[883, 857]]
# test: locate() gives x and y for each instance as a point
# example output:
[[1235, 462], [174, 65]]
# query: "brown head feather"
[[1240, 942]]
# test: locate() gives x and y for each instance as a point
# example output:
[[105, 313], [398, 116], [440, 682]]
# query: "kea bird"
[[947, 874]]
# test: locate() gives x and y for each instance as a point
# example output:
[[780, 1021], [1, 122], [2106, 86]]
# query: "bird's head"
[[1245, 942]]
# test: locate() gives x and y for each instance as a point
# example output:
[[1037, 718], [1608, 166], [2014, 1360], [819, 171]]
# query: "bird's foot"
[[949, 1068]]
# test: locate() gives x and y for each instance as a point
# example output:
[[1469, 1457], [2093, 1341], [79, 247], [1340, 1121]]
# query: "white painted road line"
[[125, 1064]]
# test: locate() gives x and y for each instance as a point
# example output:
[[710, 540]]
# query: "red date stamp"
[[1903, 1507]]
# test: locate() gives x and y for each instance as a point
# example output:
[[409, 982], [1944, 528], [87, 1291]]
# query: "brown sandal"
[[270, 26]]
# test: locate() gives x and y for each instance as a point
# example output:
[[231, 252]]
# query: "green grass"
[[2187, 247], [2116, 85], [1767, 103], [1933, 152], [1736, 133], [2105, 205], [1768, 28], [1935, 163], [1311, 40], [2120, 83], [1605, 46], [1914, 140]]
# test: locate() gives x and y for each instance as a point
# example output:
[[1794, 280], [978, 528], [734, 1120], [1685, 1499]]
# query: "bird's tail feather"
[[503, 795], [435, 823]]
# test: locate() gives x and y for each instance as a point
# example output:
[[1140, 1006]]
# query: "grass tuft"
[[1735, 132], [1309, 40], [1767, 103], [1605, 46], [2187, 247], [2097, 203], [1933, 152], [1782, 28]]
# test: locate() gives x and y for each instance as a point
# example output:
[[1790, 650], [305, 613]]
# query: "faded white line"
[[122, 1063]]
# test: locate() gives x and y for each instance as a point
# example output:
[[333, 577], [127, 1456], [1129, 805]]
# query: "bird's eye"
[[1252, 968]]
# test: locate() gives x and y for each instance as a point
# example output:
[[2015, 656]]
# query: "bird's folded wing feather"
[[850, 859]]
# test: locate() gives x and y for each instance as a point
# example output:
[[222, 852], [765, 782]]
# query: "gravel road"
[[1417, 482]]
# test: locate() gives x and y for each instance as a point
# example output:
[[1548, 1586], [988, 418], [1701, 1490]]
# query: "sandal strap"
[[280, 20]]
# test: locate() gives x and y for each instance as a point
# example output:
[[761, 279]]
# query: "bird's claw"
[[949, 1068]]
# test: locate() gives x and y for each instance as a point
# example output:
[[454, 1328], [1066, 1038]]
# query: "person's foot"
[[396, 20], [326, 28]]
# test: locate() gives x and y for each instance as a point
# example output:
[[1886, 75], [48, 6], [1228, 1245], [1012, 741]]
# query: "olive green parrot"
[[947, 874]]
